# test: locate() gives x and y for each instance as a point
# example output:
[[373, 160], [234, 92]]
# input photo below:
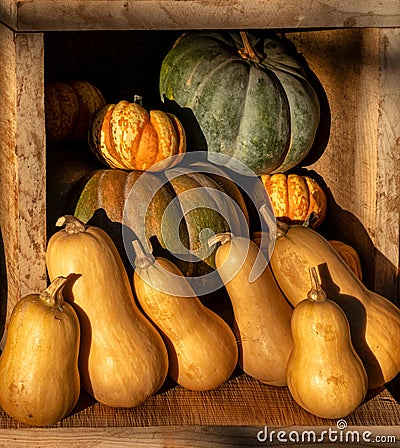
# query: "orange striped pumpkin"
[[127, 136], [294, 197]]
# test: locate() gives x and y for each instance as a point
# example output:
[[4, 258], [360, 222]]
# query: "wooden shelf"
[[230, 415], [357, 65], [47, 15]]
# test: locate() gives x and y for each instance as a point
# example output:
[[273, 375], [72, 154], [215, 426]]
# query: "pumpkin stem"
[[137, 99], [53, 293], [248, 52], [311, 218], [316, 292], [143, 260], [222, 238], [72, 224]]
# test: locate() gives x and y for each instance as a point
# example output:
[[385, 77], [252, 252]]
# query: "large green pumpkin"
[[244, 95]]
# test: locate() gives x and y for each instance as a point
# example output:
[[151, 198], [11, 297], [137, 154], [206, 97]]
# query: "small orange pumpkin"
[[69, 107], [127, 136], [294, 197]]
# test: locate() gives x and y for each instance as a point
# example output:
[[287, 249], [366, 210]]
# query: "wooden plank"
[[201, 437], [387, 223], [22, 170], [359, 164], [231, 415], [8, 12], [185, 14], [242, 401]]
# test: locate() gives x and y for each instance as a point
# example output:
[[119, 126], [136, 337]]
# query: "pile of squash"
[[303, 319]]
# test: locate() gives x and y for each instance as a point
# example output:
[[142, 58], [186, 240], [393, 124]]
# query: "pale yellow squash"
[[325, 375], [202, 347], [262, 314], [39, 377], [123, 359], [374, 320]]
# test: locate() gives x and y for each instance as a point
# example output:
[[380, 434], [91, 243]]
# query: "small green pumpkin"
[[244, 95]]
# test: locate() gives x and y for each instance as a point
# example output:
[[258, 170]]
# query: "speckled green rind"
[[112, 199], [254, 112], [200, 207]]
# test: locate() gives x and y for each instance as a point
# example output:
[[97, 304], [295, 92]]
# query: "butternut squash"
[[123, 359], [325, 375], [201, 346], [39, 377], [374, 320], [349, 255], [261, 313]]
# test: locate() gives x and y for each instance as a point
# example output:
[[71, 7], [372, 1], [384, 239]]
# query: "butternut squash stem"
[[52, 294], [316, 292], [143, 260], [72, 224], [222, 238], [281, 227]]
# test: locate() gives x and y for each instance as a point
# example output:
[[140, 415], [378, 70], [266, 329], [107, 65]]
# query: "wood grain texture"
[[360, 163], [170, 415], [199, 437], [22, 171], [44, 15], [387, 219], [242, 401]]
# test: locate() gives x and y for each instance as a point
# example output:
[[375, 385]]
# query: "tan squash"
[[39, 377], [324, 373], [202, 348], [347, 252], [123, 359], [262, 314], [349, 255], [374, 320]]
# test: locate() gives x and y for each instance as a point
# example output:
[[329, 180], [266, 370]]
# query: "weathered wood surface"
[[360, 165], [200, 437], [44, 15], [23, 164], [231, 415]]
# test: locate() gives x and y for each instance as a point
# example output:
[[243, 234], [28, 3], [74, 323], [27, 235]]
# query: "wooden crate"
[[354, 50]]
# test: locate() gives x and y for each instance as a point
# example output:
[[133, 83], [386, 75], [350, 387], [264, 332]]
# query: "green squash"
[[243, 95], [175, 222]]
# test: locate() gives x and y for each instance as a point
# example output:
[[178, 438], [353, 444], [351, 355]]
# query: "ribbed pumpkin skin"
[[102, 199], [264, 113], [125, 135], [294, 197], [69, 107]]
